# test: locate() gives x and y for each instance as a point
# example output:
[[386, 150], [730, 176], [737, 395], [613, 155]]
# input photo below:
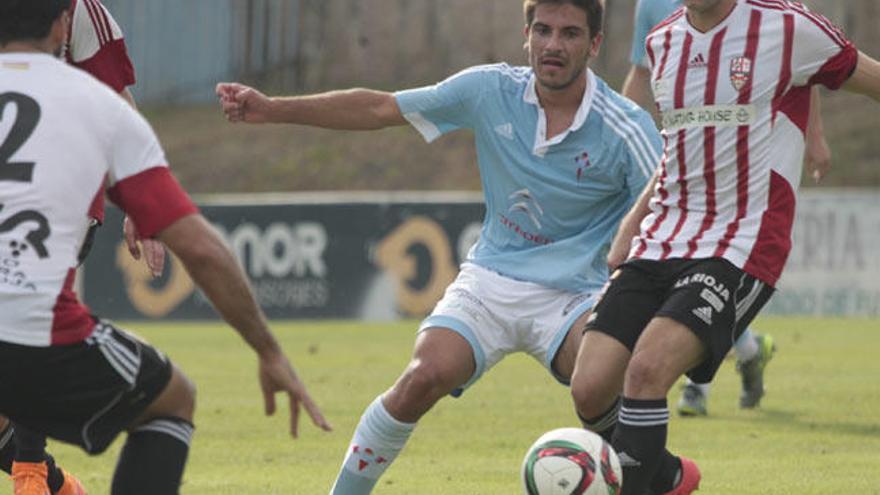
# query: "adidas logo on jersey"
[[697, 62], [704, 313], [505, 130]]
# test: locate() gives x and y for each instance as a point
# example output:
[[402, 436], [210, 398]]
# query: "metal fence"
[[182, 47]]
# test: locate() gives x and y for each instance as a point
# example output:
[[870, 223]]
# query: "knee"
[[423, 384], [188, 399], [592, 398], [177, 400], [646, 376], [426, 382]]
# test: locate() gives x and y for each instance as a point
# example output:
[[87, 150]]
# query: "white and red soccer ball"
[[571, 461]]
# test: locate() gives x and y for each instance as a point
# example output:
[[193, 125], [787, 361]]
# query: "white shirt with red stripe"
[[735, 103], [61, 133]]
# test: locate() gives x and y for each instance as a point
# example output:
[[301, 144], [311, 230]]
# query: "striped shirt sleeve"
[[97, 45], [140, 181], [822, 54]]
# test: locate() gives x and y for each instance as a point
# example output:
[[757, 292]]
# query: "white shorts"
[[499, 315]]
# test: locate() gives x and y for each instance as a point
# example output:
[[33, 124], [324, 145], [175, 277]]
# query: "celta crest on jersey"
[[740, 72], [583, 163]]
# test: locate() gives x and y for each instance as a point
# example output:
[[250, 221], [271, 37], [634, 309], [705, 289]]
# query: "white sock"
[[377, 441], [746, 347], [702, 387]]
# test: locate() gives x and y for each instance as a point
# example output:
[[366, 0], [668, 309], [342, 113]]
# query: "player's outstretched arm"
[[214, 268], [866, 78], [629, 226], [817, 157], [352, 109]]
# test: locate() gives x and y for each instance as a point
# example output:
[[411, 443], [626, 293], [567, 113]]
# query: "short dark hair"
[[28, 19], [595, 10]]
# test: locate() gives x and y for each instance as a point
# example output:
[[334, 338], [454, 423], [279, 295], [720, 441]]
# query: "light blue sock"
[[746, 347], [377, 441]]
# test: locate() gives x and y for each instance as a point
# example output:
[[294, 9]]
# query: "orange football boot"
[[71, 486], [30, 478]]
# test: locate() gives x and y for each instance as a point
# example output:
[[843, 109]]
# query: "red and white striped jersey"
[[61, 133], [96, 45], [734, 103]]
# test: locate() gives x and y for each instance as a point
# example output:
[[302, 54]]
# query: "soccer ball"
[[571, 461]]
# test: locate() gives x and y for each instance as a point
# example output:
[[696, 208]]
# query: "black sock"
[[668, 472], [603, 425], [29, 446], [153, 458], [7, 448], [55, 480], [640, 441]]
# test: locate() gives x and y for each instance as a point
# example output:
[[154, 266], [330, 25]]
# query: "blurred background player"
[[705, 244], [96, 45], [560, 156], [753, 351], [111, 380]]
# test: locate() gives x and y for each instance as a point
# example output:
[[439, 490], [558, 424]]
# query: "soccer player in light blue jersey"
[[561, 158], [753, 351]]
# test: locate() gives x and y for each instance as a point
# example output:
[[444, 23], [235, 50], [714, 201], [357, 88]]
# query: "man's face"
[[559, 44]]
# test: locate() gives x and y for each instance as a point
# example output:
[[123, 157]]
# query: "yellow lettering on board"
[[150, 301], [392, 255]]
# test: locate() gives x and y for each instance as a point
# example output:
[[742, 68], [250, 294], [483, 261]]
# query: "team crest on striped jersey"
[[740, 72]]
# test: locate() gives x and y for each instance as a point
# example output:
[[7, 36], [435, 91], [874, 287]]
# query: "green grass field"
[[817, 432]]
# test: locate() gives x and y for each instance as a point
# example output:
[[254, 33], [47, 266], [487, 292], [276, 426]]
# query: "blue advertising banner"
[[377, 257], [383, 256]]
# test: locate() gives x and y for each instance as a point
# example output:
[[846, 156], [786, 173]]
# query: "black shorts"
[[85, 393], [710, 296]]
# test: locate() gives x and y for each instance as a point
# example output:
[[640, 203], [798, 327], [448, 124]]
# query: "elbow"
[[387, 113]]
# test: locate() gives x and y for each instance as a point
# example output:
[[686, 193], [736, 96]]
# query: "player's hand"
[[242, 103], [817, 157], [154, 251], [277, 375], [618, 252]]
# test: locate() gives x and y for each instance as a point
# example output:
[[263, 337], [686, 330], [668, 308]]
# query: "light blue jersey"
[[649, 13], [552, 206]]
